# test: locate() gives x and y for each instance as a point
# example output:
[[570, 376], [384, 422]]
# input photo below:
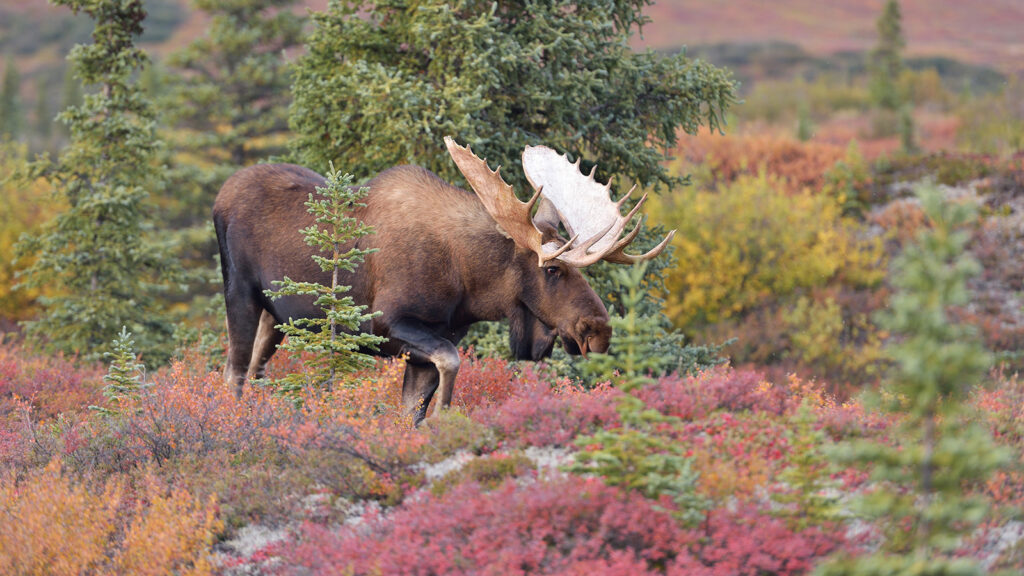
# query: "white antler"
[[511, 215], [586, 209]]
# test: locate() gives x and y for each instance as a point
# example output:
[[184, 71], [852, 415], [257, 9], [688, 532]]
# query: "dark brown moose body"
[[441, 263]]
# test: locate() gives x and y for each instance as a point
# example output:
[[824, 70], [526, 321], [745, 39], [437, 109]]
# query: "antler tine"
[[620, 257], [623, 200], [545, 257]]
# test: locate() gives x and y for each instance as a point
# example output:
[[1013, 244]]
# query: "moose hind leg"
[[267, 340], [243, 317]]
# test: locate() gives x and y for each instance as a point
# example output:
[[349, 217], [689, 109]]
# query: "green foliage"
[[848, 181], [908, 140], [10, 107], [224, 99], [639, 456], [804, 125], [885, 62], [229, 94], [808, 475], [922, 495], [994, 123], [643, 344], [98, 256], [334, 341], [126, 375], [384, 88]]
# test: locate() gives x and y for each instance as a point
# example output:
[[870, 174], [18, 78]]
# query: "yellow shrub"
[[25, 204], [750, 241], [51, 523]]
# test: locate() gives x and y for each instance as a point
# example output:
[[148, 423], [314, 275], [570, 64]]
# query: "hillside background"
[[985, 34]]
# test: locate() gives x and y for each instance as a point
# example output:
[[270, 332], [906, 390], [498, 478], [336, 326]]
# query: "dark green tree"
[[885, 62], [382, 83], [229, 90], [924, 476], [335, 342], [225, 100], [10, 105], [71, 95], [98, 256]]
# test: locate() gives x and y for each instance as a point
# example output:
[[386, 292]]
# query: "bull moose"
[[445, 259]]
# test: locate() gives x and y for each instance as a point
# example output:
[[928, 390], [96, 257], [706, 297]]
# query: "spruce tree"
[[98, 257], [382, 84], [228, 92], [224, 99], [924, 475], [335, 342], [886, 59], [10, 106]]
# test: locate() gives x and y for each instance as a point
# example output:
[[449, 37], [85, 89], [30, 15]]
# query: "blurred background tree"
[[98, 257], [224, 101]]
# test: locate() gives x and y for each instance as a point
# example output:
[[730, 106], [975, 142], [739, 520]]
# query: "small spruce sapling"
[[126, 376], [335, 342], [635, 456], [922, 498]]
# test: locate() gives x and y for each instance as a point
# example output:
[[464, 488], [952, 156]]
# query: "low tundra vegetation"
[[171, 477]]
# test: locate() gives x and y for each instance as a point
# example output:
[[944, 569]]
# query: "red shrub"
[[799, 164], [750, 541], [52, 384], [722, 388], [483, 382], [539, 414], [571, 526]]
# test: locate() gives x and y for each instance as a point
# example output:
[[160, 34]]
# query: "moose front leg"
[[432, 366]]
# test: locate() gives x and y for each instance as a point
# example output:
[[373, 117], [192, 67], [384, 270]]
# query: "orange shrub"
[[796, 164], [51, 523]]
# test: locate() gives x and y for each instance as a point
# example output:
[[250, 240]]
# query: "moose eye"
[[552, 270]]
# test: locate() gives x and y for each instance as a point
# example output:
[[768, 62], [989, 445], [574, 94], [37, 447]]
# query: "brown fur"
[[441, 264]]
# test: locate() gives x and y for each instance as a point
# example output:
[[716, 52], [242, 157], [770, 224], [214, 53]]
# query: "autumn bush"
[[50, 384], [25, 205], [54, 523], [568, 526], [749, 242], [718, 159], [541, 414]]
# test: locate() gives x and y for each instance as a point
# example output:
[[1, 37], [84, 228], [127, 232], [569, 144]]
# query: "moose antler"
[[586, 209], [498, 198]]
